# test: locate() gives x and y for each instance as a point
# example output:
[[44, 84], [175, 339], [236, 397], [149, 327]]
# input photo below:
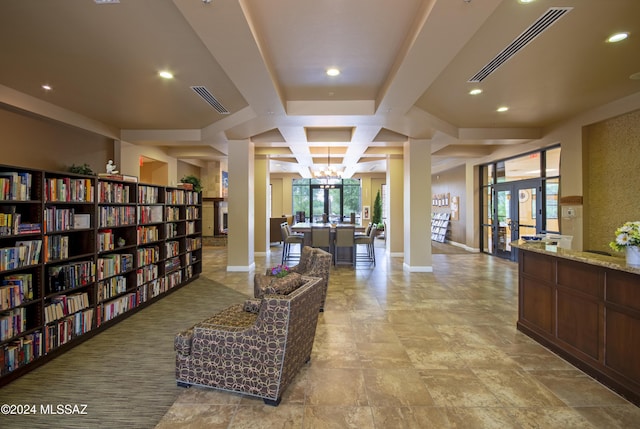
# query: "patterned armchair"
[[314, 262], [254, 349]]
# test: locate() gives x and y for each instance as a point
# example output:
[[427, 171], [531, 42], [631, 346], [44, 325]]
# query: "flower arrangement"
[[626, 235], [280, 270]]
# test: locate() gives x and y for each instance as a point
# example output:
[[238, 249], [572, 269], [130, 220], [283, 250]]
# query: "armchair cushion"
[[252, 305], [264, 284]]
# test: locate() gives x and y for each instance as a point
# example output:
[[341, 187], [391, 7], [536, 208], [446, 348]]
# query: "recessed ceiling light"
[[165, 74], [618, 37], [46, 87], [526, 1], [106, 1], [502, 109], [475, 91], [635, 76], [333, 71]]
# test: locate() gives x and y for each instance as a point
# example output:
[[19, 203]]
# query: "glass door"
[[326, 200], [517, 213]]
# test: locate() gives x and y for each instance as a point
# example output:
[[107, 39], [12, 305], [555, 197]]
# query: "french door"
[[517, 212], [326, 200]]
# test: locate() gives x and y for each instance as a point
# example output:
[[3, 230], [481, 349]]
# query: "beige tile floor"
[[395, 349]]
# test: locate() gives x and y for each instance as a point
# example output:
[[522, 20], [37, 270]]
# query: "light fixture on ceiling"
[[618, 37], [475, 91], [502, 109], [46, 87], [165, 74], [328, 174], [635, 76], [106, 1], [333, 71]]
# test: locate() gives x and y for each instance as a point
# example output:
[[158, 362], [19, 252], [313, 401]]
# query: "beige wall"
[[31, 141], [452, 182], [187, 169], [612, 177]]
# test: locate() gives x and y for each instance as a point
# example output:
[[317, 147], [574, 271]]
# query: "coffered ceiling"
[[405, 69]]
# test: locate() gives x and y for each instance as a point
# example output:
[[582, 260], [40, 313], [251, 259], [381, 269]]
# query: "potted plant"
[[194, 181], [377, 213], [628, 240], [81, 169]]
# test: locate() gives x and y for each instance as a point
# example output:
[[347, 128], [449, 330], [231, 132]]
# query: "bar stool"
[[367, 240], [345, 238], [287, 241], [321, 237]]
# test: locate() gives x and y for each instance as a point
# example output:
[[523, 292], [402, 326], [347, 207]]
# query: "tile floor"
[[415, 350]]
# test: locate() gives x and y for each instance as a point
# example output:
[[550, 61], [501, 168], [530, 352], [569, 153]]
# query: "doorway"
[[517, 212], [326, 200]]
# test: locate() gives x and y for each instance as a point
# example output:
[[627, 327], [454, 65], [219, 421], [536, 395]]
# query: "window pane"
[[551, 205], [487, 206], [523, 167], [552, 162], [487, 174]]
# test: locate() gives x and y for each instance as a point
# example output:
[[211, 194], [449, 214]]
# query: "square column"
[[240, 243], [417, 206]]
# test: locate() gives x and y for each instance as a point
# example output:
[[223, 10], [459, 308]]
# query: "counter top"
[[615, 262]]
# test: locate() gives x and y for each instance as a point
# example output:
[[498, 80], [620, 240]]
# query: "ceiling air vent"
[[541, 24], [210, 99]]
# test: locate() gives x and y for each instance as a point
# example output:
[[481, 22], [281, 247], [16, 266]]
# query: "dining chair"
[[287, 241], [321, 237], [368, 241], [344, 239]]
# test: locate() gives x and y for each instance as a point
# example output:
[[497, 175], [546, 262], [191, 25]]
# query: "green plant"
[[195, 181], [81, 169], [377, 210]]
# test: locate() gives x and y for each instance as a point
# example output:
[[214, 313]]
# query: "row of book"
[[150, 214], [193, 243], [148, 194], [116, 216], [147, 255], [56, 247], [57, 219], [147, 234], [110, 192], [117, 263], [15, 186], [111, 287], [171, 230], [171, 264], [173, 214], [146, 274], [11, 224], [192, 213], [64, 305], [117, 307], [191, 227], [12, 323], [175, 197], [106, 240], [172, 248], [71, 276], [15, 290], [23, 254], [64, 330], [69, 189], [20, 352]]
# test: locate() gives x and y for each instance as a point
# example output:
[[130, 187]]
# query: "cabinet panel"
[[623, 344], [579, 322], [536, 304], [623, 289], [585, 278], [538, 266]]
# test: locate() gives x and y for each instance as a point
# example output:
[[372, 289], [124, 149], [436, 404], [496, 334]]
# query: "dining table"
[[305, 228]]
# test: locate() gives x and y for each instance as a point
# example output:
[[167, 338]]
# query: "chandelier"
[[329, 173]]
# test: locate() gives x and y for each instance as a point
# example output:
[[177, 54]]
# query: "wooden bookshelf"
[[80, 253]]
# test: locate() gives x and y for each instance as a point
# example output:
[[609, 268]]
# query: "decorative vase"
[[633, 256]]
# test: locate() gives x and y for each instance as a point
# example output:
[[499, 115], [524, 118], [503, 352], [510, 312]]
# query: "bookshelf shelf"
[[80, 253]]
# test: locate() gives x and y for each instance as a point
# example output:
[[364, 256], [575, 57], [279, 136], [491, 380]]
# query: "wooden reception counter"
[[586, 308]]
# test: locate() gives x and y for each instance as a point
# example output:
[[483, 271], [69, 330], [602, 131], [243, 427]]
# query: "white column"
[[417, 206], [240, 242], [261, 176], [395, 220]]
